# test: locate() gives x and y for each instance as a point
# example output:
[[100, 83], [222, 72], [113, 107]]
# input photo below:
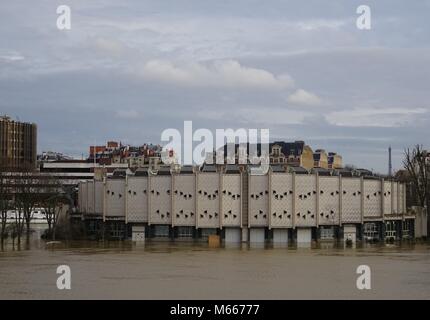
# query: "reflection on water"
[[193, 270], [36, 243]]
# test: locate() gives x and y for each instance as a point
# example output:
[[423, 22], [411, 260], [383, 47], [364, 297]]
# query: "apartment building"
[[18, 144]]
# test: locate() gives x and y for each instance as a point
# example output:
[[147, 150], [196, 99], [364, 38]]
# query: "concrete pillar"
[[420, 223], [280, 236], [232, 235], [304, 236], [256, 235], [138, 233], [245, 233]]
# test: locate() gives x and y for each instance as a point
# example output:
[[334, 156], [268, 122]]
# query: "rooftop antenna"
[[390, 166]]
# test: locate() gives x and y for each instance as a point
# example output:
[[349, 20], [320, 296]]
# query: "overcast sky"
[[127, 70]]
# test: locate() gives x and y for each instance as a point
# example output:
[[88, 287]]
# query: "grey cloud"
[[86, 85]]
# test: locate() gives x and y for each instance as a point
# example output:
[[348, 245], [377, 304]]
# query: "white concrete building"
[[278, 206]]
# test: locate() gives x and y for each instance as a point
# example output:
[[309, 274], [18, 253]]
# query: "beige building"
[[325, 160], [320, 159], [136, 161], [334, 161], [295, 153], [18, 143], [292, 154]]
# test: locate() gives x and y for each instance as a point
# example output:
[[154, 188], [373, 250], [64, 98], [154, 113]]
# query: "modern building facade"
[[238, 206], [18, 144]]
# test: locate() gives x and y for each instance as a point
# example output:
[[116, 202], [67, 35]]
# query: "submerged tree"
[[5, 204], [417, 164], [52, 202], [26, 190]]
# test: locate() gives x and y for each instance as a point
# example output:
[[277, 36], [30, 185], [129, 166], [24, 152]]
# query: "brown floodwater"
[[186, 270]]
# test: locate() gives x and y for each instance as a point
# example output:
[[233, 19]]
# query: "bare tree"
[[26, 189], [5, 205], [52, 203], [417, 164], [350, 167], [13, 233], [53, 213], [19, 222]]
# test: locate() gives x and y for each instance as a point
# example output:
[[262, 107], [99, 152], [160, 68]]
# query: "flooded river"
[[185, 270]]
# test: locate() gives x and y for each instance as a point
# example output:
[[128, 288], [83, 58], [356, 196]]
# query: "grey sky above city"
[[127, 70]]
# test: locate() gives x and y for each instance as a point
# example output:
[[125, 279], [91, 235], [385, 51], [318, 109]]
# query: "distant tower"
[[390, 166]]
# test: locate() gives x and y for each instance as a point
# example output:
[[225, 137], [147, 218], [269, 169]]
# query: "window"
[[327, 233], [370, 231], [117, 230], [390, 230], [92, 226], [406, 232], [161, 231], [185, 232]]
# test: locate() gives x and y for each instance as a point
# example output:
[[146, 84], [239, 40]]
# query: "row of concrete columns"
[[257, 235]]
